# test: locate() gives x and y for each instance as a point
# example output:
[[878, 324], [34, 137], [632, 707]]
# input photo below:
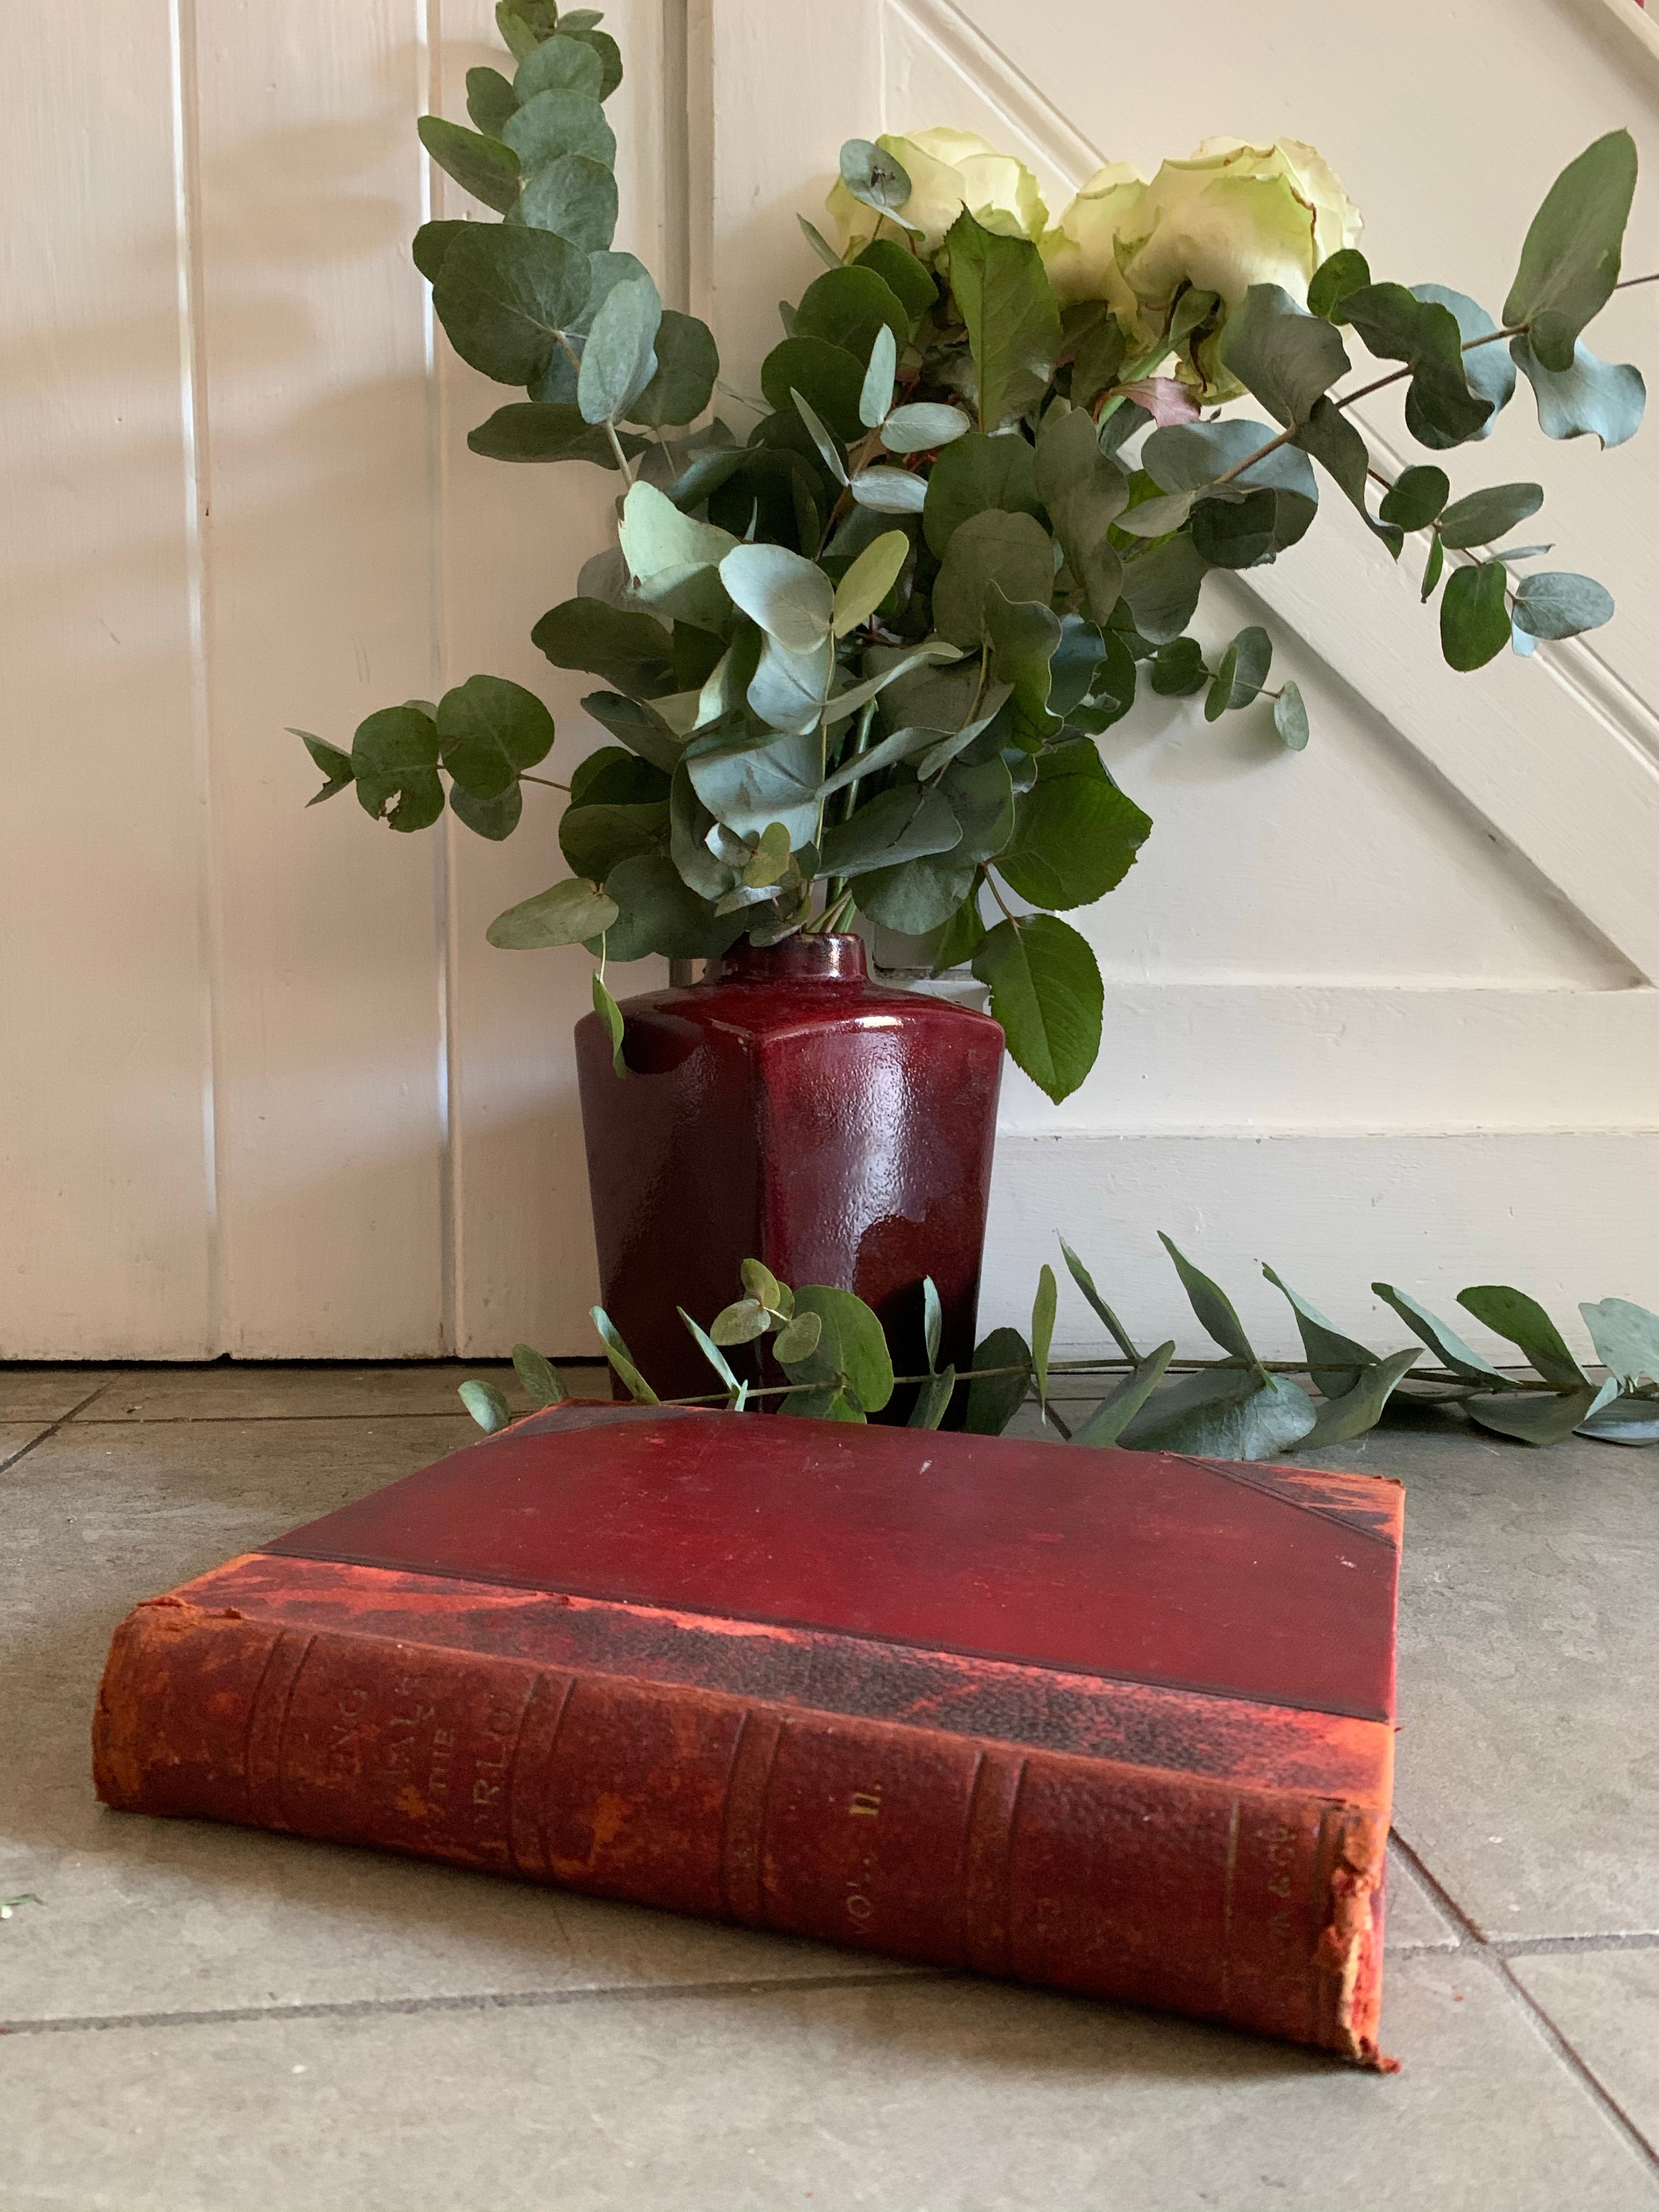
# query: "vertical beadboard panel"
[[514, 539], [320, 608], [105, 1165]]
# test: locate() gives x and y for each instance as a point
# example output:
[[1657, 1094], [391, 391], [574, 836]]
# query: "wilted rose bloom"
[[1230, 216], [948, 170]]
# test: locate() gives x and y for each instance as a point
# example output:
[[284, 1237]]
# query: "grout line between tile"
[[1548, 1947], [1498, 1962], [489, 2001], [53, 1427]]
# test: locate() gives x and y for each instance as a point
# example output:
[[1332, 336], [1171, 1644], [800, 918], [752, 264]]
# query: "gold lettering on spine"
[[863, 1805]]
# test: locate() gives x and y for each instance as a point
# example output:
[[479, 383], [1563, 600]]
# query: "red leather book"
[[1117, 1722]]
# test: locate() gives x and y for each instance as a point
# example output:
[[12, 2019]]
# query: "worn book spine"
[[1247, 1905]]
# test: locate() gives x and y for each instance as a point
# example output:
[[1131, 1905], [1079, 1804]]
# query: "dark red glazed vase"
[[789, 1110]]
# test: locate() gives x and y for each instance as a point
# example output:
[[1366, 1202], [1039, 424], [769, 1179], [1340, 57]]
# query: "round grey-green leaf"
[[1558, 603], [922, 425], [619, 358], [567, 913], [576, 196], [1291, 717], [1474, 615], [504, 294]]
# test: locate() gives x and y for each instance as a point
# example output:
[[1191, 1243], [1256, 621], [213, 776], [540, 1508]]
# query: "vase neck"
[[834, 958]]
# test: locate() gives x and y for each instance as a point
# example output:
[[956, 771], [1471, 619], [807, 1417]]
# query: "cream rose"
[[1230, 216], [948, 170]]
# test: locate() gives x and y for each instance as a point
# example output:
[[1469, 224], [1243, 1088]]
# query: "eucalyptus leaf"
[[1487, 369], [1480, 516], [1339, 274], [528, 430], [542, 1383], [738, 1390], [633, 651], [394, 761], [611, 1015], [1161, 588], [1012, 551], [876, 394], [558, 65], [1555, 603], [848, 306], [922, 425], [1474, 615], [975, 473], [620, 1357], [1242, 673], [576, 196], [1291, 717], [1590, 399], [932, 1323], [1086, 1283], [1626, 1338], [1623, 1421], [489, 730], [888, 491], [495, 817], [486, 1404], [819, 244], [994, 1399], [1085, 494], [831, 377], [934, 1401], [1212, 1306], [1106, 1425], [851, 1353], [1223, 1413], [567, 913], [868, 581], [506, 295], [482, 165], [1284, 356], [1570, 259], [871, 174], [903, 272], [1539, 1416], [490, 100], [558, 122], [1447, 1345], [905, 823], [1512, 1313], [1043, 1308], [1347, 1415], [619, 358], [790, 597], [1396, 324], [1416, 497]]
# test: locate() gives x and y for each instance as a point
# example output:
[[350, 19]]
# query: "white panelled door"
[[1385, 1009]]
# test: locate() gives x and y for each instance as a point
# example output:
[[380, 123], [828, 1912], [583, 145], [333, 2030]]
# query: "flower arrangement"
[[855, 661]]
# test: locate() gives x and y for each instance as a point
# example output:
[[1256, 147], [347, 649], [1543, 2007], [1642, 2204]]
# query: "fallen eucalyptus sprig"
[[834, 1352]]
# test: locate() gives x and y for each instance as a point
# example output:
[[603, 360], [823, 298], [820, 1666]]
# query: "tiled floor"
[[197, 2017]]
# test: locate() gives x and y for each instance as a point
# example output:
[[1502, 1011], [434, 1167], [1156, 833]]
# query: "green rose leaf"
[[1224, 1414], [905, 276], [558, 65], [1569, 261], [960, 937], [993, 1398], [482, 165], [1290, 718], [1283, 355], [829, 378], [1474, 615], [1558, 603], [847, 307], [1512, 1313], [1076, 835], [1481, 516], [505, 294], [1339, 274], [526, 430], [633, 651], [688, 364], [619, 358], [394, 760], [556, 123], [1591, 400], [1085, 492], [567, 913], [1106, 1425], [974, 474], [1046, 992], [1416, 498], [851, 1352], [576, 196], [1008, 305]]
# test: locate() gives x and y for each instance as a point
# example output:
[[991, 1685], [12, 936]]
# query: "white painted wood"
[[106, 1157], [1388, 1007]]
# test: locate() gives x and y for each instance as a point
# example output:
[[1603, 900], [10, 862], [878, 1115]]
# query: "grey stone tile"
[[17, 1437], [1529, 1752], [292, 1391], [928, 2096], [1606, 2005], [46, 1394], [142, 1915], [1415, 1921]]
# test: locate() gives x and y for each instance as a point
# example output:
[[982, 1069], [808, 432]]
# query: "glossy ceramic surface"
[[792, 1111]]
